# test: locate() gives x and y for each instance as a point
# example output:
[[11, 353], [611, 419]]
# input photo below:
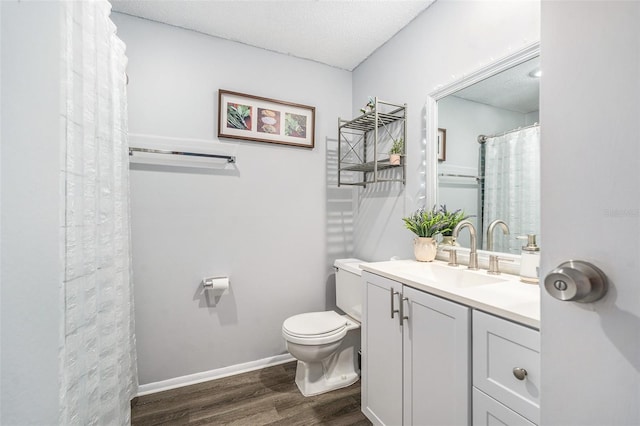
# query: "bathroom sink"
[[433, 273]]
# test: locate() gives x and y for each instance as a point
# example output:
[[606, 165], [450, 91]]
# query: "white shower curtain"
[[97, 343], [512, 186]]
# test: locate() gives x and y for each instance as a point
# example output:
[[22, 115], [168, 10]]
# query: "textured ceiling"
[[513, 89], [337, 33]]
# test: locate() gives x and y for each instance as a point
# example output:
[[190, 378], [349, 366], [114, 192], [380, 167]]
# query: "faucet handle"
[[494, 264], [453, 256]]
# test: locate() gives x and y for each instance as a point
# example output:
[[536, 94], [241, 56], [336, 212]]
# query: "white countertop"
[[508, 297]]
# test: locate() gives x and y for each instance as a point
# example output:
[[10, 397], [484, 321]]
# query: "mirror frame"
[[431, 108]]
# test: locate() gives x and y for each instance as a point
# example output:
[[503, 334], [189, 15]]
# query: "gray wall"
[[30, 213], [271, 225], [448, 40], [464, 121], [590, 110]]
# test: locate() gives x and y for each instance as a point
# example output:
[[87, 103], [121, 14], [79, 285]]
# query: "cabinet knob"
[[520, 373]]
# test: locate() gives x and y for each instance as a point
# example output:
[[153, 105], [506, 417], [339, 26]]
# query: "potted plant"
[[397, 149], [450, 219], [370, 106], [426, 224]]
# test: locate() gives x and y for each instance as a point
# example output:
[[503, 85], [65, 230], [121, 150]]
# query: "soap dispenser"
[[530, 260]]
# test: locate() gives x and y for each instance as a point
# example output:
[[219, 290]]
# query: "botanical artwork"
[[238, 116], [257, 119], [295, 125], [269, 121]]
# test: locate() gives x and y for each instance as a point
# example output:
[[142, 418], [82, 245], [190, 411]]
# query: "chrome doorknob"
[[576, 281]]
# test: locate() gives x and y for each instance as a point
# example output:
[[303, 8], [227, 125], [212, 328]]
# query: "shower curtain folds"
[[97, 359], [512, 185]]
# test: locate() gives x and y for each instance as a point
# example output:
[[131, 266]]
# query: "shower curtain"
[[97, 342], [512, 186]]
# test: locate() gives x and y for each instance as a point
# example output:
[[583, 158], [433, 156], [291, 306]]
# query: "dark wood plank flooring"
[[263, 397]]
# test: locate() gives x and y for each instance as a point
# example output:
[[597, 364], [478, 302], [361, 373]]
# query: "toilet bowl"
[[326, 343]]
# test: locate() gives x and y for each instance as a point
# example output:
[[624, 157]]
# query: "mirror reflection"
[[489, 156]]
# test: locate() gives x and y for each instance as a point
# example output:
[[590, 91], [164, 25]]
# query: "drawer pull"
[[393, 309], [520, 373]]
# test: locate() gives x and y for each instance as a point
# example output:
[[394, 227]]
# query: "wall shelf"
[[364, 142], [370, 166]]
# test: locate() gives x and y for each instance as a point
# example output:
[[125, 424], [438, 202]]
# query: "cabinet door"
[[437, 340], [489, 412], [381, 352], [499, 346]]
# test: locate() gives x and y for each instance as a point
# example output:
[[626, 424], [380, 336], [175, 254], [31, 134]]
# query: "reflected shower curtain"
[[512, 186], [97, 342]]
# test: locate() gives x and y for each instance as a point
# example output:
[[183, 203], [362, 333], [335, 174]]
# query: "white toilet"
[[326, 344]]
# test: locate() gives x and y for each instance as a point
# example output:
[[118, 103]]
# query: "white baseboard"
[[219, 373]]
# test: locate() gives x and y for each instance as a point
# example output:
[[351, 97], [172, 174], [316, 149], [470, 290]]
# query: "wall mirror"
[[483, 149]]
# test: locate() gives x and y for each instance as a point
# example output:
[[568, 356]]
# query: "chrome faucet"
[[490, 229], [473, 254]]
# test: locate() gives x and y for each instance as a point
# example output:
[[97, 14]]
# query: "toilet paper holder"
[[217, 284]]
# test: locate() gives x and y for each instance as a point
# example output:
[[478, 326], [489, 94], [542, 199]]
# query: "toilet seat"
[[314, 328]]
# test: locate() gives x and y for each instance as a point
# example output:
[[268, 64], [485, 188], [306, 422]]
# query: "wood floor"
[[263, 397]]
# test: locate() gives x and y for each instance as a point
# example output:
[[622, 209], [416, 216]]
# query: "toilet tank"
[[349, 287]]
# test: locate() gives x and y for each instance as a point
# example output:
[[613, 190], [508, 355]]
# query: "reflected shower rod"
[[483, 138]]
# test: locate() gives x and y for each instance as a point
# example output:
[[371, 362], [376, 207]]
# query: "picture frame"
[[442, 144], [255, 118]]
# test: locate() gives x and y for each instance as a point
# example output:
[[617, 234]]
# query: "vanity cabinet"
[[381, 336], [506, 372], [415, 356]]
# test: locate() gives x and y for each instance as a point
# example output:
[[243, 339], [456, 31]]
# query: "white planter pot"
[[425, 249]]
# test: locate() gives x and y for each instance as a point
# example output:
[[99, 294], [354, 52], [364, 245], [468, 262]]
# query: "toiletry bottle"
[[530, 260]]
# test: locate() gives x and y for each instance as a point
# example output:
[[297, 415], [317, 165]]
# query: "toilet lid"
[[314, 324]]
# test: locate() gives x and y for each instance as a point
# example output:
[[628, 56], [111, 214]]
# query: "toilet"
[[326, 344]]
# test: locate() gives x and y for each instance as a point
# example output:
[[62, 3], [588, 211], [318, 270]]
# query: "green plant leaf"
[[425, 223]]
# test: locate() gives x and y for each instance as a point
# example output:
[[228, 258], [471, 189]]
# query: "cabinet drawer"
[[489, 412], [499, 347]]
